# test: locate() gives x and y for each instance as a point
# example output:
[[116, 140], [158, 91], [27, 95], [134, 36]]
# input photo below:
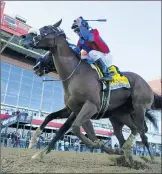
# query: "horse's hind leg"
[[117, 126], [145, 140], [64, 113], [140, 109], [129, 142]]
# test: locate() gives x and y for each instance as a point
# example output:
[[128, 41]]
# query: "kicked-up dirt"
[[15, 160]]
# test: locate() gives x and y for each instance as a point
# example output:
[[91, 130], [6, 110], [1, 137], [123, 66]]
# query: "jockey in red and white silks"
[[91, 41]]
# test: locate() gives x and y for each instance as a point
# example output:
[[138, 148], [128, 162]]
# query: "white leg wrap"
[[129, 141]]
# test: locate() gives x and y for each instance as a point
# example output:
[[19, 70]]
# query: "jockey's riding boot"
[[107, 76]]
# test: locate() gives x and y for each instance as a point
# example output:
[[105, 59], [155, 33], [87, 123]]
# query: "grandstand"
[[22, 91]]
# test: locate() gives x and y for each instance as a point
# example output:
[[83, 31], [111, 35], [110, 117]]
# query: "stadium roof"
[[12, 42]]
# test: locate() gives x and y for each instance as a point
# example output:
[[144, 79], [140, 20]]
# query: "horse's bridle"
[[68, 76], [59, 32]]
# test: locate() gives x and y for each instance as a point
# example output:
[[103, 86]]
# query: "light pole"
[[41, 102]]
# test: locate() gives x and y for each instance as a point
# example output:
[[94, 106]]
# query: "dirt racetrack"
[[15, 160]]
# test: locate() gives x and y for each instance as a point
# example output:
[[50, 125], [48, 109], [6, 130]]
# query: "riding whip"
[[98, 20]]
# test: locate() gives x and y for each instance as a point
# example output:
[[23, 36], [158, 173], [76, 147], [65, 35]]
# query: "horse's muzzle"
[[40, 70]]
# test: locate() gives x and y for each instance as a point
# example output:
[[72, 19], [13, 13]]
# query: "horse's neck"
[[65, 60]]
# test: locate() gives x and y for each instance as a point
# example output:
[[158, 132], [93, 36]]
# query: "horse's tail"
[[157, 103], [150, 115]]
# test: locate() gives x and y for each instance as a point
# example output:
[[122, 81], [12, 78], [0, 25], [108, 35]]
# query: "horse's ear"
[[57, 24]]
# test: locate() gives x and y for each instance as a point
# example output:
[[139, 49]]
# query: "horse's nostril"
[[45, 69]]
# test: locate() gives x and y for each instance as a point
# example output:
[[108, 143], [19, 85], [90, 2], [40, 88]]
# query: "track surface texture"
[[15, 160]]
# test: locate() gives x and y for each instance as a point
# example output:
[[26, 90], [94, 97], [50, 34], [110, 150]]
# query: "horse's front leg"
[[63, 113], [87, 111], [65, 127], [88, 128]]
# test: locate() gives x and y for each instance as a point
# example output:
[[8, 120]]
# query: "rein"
[[59, 32], [68, 76]]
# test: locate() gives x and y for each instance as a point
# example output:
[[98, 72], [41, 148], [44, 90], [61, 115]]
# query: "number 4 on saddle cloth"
[[119, 80]]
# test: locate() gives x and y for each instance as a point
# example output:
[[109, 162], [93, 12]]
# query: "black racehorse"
[[83, 89]]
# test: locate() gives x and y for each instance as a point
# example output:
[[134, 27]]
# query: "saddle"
[[119, 81]]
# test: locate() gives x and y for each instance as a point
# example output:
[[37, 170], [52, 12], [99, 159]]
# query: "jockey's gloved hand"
[[79, 21]]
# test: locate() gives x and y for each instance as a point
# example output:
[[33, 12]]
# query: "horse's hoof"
[[128, 157], [37, 157], [40, 154], [32, 143], [129, 160], [97, 144]]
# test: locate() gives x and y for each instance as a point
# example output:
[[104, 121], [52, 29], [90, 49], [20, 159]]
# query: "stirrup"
[[106, 78]]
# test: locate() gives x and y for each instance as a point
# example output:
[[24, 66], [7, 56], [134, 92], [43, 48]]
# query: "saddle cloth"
[[119, 80]]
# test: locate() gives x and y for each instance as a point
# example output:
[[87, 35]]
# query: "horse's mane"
[[77, 55]]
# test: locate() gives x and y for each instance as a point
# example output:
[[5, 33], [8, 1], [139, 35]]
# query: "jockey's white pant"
[[95, 55]]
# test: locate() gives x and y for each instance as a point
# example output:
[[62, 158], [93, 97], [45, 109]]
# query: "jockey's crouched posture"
[[93, 44]]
